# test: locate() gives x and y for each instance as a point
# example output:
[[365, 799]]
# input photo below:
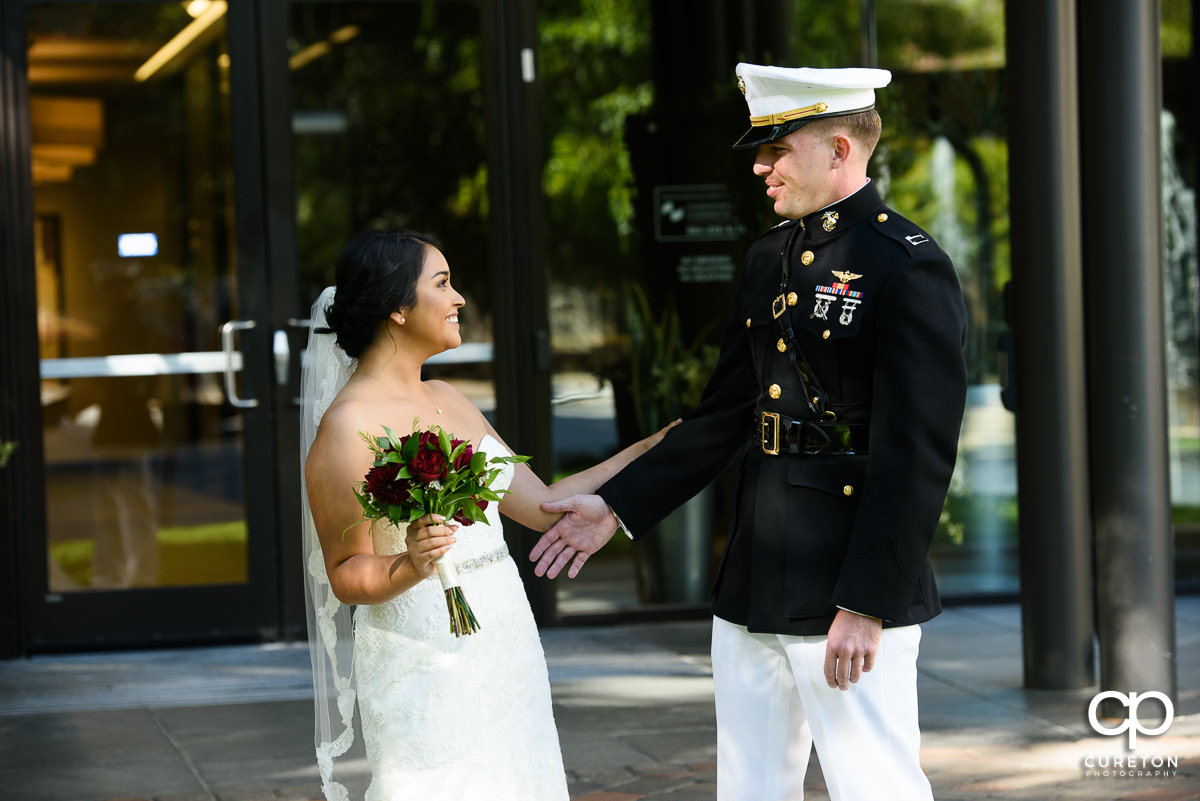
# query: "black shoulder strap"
[[814, 393]]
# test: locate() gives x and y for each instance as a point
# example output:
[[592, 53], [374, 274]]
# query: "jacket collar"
[[843, 214]]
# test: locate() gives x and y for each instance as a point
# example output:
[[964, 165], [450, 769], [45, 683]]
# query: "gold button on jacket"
[[774, 391]]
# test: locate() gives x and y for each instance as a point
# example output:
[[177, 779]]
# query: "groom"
[[837, 398]]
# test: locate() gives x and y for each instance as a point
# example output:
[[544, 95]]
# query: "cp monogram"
[[1132, 724]]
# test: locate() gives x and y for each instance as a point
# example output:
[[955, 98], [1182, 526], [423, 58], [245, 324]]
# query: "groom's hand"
[[851, 648], [586, 524]]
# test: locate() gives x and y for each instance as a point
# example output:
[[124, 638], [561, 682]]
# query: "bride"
[[441, 717]]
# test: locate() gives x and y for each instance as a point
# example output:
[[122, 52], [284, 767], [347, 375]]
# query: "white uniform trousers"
[[773, 705]]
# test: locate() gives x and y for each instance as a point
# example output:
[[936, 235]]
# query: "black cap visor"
[[761, 134]]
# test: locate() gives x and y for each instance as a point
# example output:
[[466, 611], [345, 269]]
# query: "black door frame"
[[22, 493], [271, 604], [59, 621]]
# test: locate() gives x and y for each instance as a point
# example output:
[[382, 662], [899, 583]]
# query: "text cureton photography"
[[1130, 765]]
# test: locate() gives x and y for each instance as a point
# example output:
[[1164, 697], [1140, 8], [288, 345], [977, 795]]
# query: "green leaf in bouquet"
[[459, 496], [392, 439], [462, 446], [491, 495], [364, 500], [409, 451], [418, 495], [474, 513], [478, 462], [443, 441]]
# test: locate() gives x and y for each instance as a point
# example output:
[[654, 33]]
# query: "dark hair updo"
[[377, 274]]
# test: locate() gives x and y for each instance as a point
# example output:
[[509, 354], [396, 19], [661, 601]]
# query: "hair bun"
[[377, 273]]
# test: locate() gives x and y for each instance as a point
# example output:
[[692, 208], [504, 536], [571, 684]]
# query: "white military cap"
[[782, 99]]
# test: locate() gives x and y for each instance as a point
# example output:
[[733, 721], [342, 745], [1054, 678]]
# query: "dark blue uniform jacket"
[[877, 311]]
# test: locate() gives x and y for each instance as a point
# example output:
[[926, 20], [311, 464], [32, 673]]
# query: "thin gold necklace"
[[394, 391]]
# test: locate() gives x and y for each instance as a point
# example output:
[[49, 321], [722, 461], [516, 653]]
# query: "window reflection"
[[1181, 286], [388, 132], [944, 164], [130, 124]]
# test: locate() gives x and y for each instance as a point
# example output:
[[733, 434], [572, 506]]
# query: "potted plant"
[[666, 379]]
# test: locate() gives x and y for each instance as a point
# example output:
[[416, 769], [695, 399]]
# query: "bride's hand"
[[657, 437], [428, 538]]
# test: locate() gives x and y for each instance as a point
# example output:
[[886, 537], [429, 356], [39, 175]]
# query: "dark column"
[[1121, 97], [1048, 326], [275, 205], [517, 232], [22, 499]]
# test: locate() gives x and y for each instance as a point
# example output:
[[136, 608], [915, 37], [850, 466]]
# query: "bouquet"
[[431, 472]]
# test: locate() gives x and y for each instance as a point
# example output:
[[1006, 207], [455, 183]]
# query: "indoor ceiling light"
[[197, 7], [214, 11]]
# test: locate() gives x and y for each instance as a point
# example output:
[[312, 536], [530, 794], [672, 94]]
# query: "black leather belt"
[[778, 433]]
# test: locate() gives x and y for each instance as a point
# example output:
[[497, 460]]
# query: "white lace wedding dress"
[[450, 718]]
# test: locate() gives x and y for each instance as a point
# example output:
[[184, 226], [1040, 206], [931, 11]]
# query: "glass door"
[[389, 131], [154, 531]]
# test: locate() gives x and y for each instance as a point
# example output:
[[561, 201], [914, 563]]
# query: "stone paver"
[[634, 709]]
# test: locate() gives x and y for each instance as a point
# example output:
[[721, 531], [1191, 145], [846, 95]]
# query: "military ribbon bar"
[[840, 289]]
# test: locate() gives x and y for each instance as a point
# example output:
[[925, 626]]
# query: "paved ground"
[[633, 705]]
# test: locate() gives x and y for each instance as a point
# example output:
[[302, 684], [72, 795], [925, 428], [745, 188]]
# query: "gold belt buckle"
[[770, 433], [778, 306]]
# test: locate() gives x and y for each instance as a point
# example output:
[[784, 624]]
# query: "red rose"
[[461, 517], [429, 465], [384, 487], [464, 459]]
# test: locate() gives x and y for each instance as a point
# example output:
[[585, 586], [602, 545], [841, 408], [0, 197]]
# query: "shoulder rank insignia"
[[827, 295], [829, 220]]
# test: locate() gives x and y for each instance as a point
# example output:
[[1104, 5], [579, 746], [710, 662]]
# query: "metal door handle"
[[302, 323], [227, 331], [283, 357]]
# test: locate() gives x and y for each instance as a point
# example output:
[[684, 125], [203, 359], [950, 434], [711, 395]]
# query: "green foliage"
[[667, 377], [825, 35], [1176, 30], [925, 34], [407, 142], [595, 73], [6, 451]]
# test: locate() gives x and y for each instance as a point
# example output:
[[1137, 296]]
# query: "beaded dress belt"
[[467, 565], [778, 433]]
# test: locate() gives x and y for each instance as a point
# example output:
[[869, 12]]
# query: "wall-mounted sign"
[[705, 268], [695, 213]]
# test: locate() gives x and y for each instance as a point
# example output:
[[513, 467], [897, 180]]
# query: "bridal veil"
[[325, 370]]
